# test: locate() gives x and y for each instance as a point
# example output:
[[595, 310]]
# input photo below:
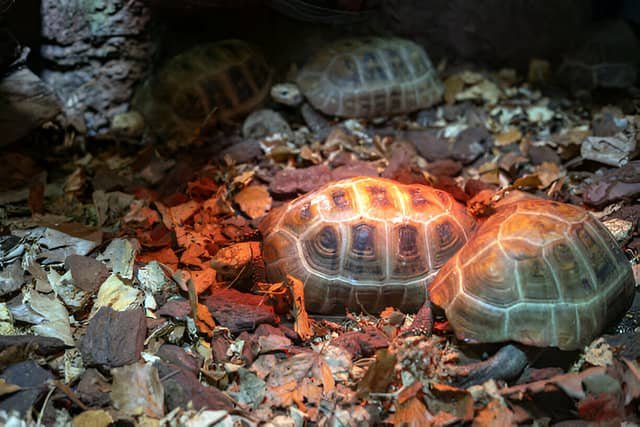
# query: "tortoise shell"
[[364, 243], [369, 77], [222, 80], [538, 272]]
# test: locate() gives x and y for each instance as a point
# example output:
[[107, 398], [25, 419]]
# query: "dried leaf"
[[411, 413], [56, 323], [302, 323], [7, 388], [453, 85], [120, 256], [507, 137], [527, 181], [599, 353], [205, 322], [548, 172], [115, 294], [378, 376], [254, 200], [137, 390], [92, 418]]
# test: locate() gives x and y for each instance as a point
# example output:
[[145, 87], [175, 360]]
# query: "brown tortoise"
[[364, 243], [538, 272], [210, 82], [369, 77]]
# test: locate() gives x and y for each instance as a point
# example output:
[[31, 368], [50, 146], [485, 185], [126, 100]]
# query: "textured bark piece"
[[27, 102], [617, 184], [114, 338], [430, 145], [32, 378], [239, 311], [97, 51], [87, 273], [181, 386], [470, 144], [446, 167], [541, 154], [176, 355], [360, 344], [399, 168], [94, 389], [293, 181]]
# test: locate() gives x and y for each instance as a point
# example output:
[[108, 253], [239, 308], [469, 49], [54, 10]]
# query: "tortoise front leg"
[[506, 364]]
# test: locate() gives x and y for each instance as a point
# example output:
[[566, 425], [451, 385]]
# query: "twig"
[[44, 405], [70, 394]]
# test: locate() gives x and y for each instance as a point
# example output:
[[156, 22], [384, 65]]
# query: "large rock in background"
[[95, 52], [496, 32]]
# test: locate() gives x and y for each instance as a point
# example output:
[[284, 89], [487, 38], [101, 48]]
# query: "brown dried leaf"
[[92, 418], [452, 86], [254, 200], [411, 413], [137, 390], [7, 388], [205, 322], [494, 414], [507, 137], [302, 324], [378, 376], [527, 181], [548, 172]]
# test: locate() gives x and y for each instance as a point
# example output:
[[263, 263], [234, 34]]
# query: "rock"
[[128, 125], [612, 150], [182, 386], [470, 144], [239, 311], [87, 273], [33, 381], [94, 389], [430, 145], [114, 338], [287, 94], [27, 103], [94, 54], [614, 185], [263, 123]]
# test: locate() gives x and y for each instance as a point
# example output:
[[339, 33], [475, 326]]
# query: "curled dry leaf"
[[254, 200], [137, 390]]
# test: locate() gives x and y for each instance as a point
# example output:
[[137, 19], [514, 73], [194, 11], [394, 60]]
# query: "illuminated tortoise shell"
[[538, 272], [364, 243], [369, 77], [220, 81]]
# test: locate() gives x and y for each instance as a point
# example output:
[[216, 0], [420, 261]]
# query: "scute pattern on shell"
[[369, 77], [223, 80], [538, 272], [364, 243]]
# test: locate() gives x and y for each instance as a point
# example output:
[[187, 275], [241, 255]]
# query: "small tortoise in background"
[[364, 243], [538, 272], [210, 82], [370, 77]]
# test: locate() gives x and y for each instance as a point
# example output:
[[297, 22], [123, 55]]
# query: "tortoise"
[[221, 80], [364, 243], [370, 77], [538, 272]]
